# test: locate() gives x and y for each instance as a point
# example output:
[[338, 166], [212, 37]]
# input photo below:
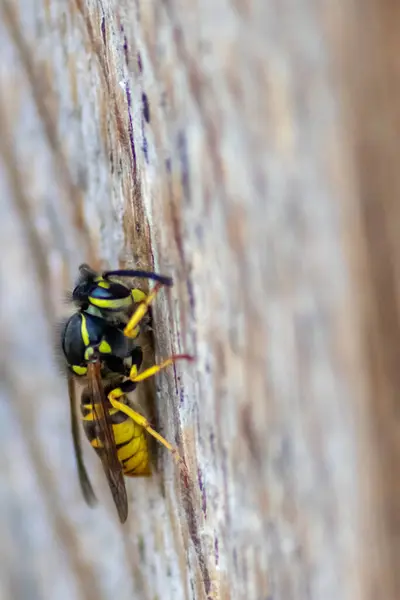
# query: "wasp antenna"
[[163, 279]]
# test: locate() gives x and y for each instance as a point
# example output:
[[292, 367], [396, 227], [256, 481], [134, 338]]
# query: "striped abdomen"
[[130, 439]]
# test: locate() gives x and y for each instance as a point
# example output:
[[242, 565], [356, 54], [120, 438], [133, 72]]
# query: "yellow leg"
[[143, 422], [138, 296], [134, 333], [141, 310], [135, 377]]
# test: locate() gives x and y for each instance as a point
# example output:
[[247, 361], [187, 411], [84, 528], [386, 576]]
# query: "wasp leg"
[[130, 385], [136, 377], [143, 422], [138, 297], [131, 328]]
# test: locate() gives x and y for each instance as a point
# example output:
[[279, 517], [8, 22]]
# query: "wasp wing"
[[86, 486], [107, 449]]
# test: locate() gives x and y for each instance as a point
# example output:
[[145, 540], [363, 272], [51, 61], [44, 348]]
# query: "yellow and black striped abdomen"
[[130, 439]]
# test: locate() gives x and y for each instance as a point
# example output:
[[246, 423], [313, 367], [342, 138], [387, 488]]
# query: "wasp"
[[98, 343], [104, 322]]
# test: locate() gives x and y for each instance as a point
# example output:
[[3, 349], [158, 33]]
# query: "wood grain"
[[248, 149]]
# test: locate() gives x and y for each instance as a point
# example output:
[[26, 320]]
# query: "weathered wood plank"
[[235, 146]]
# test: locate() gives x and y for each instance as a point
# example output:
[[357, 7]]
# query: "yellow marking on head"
[[105, 347], [138, 295], [103, 284], [79, 370], [115, 304], [84, 331]]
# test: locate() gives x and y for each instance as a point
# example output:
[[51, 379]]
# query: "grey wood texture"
[[250, 150]]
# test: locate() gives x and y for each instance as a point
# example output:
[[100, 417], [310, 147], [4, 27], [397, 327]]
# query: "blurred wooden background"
[[250, 149]]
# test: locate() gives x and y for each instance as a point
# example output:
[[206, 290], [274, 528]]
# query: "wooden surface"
[[250, 150]]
